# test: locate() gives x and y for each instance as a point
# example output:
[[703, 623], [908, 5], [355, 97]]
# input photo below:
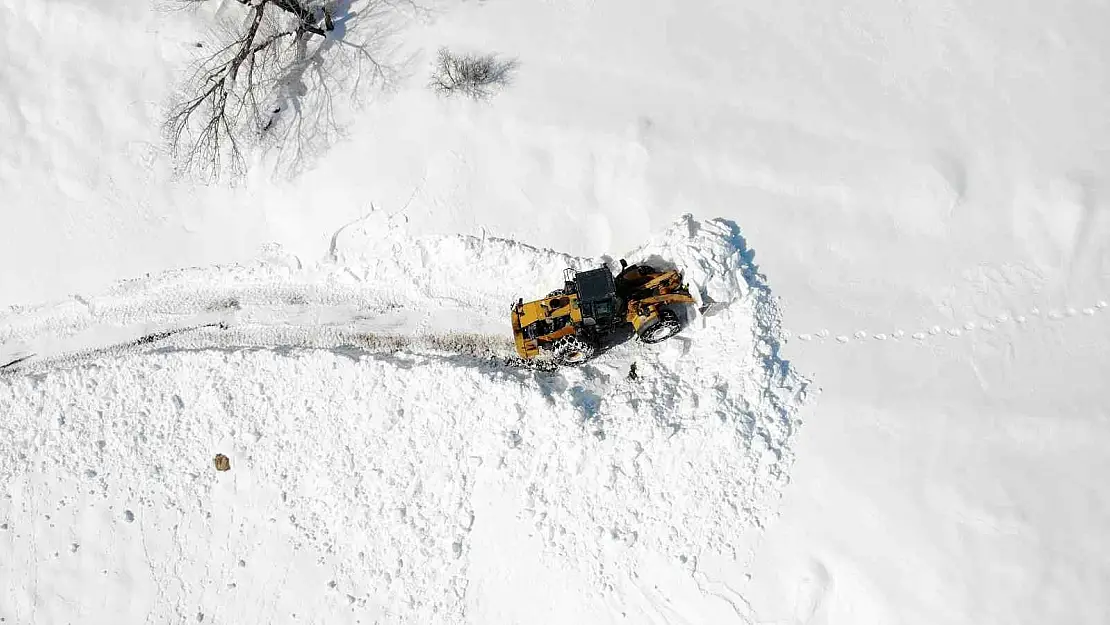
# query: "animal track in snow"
[[987, 324]]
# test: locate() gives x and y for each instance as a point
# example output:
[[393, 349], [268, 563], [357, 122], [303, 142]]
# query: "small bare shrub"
[[477, 76]]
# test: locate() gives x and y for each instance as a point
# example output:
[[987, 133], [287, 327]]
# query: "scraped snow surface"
[[926, 187]]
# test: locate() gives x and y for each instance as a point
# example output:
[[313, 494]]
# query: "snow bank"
[[368, 456]]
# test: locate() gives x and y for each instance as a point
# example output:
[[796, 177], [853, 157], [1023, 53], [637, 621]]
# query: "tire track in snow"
[[221, 337], [685, 460], [377, 285]]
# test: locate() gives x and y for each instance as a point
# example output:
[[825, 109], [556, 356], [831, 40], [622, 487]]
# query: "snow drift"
[[363, 401]]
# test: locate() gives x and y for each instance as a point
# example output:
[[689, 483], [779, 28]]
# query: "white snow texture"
[[362, 435]]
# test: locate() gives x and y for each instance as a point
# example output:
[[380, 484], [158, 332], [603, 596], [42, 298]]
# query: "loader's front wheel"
[[572, 351], [663, 328]]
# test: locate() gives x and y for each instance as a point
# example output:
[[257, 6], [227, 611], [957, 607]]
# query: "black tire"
[[557, 292], [571, 351], [661, 329]]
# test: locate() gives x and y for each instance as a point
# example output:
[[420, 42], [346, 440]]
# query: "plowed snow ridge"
[[373, 450]]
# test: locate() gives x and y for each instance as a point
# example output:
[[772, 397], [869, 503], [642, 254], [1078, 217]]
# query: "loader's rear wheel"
[[572, 351], [661, 329]]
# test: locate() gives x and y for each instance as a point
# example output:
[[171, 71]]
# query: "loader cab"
[[597, 298]]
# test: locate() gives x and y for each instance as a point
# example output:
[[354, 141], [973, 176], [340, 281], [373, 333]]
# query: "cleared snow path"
[[363, 404]]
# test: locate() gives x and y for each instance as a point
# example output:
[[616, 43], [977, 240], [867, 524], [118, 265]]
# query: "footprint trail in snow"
[[984, 325]]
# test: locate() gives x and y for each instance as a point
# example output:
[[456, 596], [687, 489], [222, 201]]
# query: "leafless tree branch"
[[271, 81]]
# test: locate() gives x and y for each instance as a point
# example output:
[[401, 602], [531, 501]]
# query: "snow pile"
[[680, 460], [367, 454], [481, 271], [369, 458]]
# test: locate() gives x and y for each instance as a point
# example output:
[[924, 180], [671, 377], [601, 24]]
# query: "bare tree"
[[478, 76], [271, 81]]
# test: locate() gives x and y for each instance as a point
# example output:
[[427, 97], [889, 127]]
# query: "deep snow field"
[[893, 408]]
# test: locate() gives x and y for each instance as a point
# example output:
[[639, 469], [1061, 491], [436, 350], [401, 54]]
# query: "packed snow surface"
[[363, 437]]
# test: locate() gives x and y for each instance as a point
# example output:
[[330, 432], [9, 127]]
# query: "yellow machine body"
[[560, 312], [639, 297]]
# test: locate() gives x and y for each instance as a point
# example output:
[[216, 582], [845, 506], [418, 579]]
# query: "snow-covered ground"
[[923, 188], [374, 431]]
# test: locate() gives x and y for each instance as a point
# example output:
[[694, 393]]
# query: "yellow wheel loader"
[[594, 307]]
